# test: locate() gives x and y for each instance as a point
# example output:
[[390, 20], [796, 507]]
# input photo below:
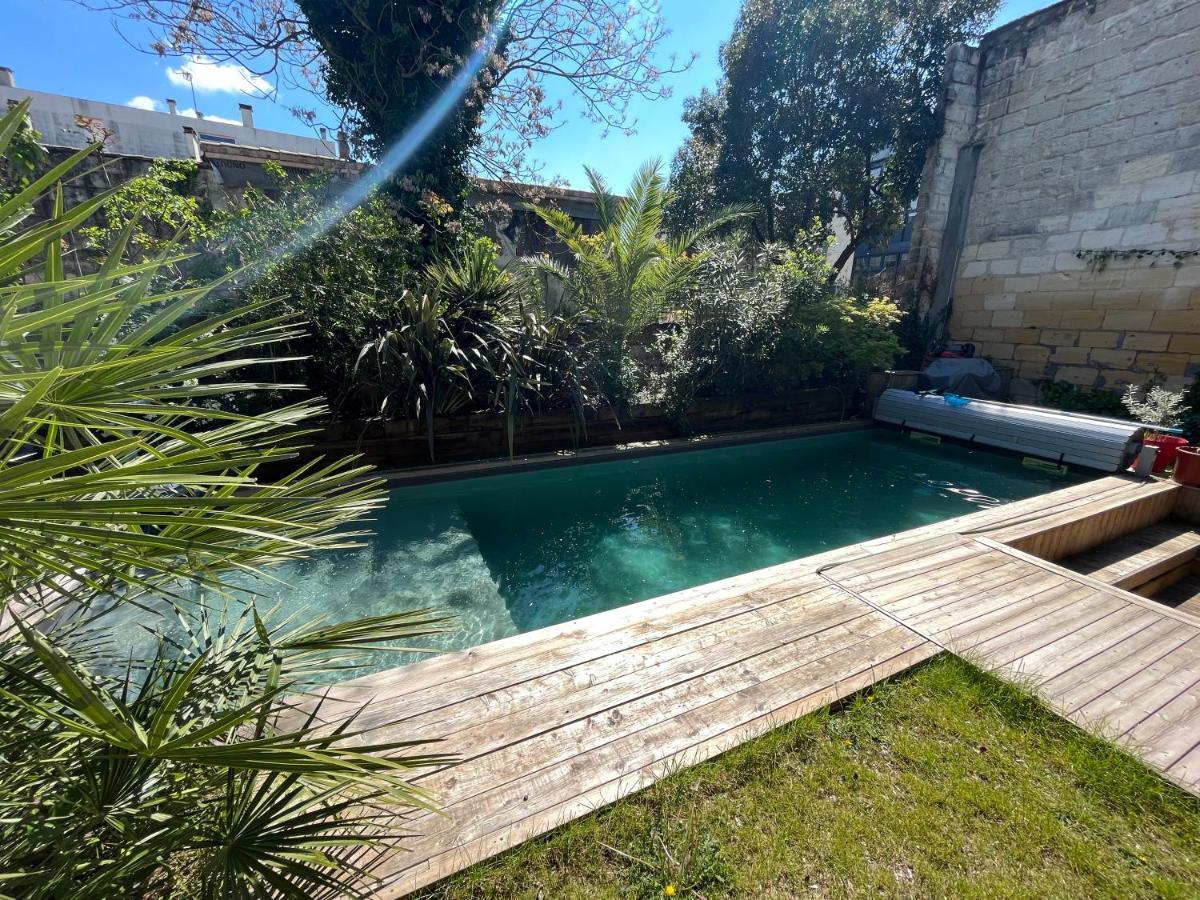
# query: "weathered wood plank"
[[542, 704], [1082, 682], [549, 751], [552, 724], [1141, 557], [631, 762], [1070, 532]]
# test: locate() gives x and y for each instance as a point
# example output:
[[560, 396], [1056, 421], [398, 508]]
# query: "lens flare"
[[401, 151]]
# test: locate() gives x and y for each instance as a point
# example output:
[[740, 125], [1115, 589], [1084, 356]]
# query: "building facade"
[[1059, 215], [231, 158], [127, 131]]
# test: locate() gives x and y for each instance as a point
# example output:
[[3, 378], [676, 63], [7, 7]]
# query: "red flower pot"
[[1187, 466]]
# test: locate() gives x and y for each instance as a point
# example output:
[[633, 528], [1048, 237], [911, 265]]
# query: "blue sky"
[[56, 46]]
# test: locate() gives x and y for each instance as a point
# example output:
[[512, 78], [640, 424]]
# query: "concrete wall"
[[1074, 129]]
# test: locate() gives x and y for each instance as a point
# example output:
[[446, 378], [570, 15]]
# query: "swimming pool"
[[511, 553]]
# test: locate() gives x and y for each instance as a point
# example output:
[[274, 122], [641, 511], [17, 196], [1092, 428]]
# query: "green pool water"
[[511, 553]]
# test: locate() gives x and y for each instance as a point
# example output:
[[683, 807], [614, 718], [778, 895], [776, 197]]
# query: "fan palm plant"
[[188, 770], [628, 273]]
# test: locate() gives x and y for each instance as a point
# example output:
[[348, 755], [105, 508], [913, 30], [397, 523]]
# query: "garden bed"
[[944, 782]]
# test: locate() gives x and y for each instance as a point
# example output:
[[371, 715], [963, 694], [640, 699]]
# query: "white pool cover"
[[1083, 440]]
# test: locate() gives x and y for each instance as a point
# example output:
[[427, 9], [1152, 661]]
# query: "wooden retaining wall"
[[483, 436], [1188, 505], [1066, 534]]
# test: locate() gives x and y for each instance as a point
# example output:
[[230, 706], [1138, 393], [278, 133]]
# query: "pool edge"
[[363, 687], [555, 459]]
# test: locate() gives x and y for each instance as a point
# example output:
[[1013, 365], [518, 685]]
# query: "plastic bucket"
[[1168, 446], [1187, 466]]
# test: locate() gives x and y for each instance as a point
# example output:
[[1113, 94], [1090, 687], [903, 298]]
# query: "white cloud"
[[141, 101], [191, 113], [213, 77]]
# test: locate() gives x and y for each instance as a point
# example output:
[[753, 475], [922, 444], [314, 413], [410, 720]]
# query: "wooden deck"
[[1122, 666], [1184, 595], [552, 724], [1144, 562]]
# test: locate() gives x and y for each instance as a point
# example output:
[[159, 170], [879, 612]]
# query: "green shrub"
[[1154, 405], [837, 339], [341, 285], [768, 322], [1072, 398], [160, 208], [628, 275]]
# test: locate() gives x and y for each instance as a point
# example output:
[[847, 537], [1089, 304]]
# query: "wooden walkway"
[[1122, 666], [553, 724]]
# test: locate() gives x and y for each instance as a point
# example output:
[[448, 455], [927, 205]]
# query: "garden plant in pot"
[[1187, 465], [1158, 408]]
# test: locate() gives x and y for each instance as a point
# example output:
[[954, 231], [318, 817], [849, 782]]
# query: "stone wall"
[[1074, 132], [227, 170]]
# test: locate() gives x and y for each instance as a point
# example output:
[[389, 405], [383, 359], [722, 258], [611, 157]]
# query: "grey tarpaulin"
[[970, 377]]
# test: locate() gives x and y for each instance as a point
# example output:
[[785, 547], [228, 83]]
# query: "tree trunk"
[[842, 259], [770, 216]]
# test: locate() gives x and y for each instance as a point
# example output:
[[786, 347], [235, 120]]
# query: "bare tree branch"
[[603, 52]]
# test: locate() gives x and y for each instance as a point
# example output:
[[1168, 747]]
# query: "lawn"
[[943, 782]]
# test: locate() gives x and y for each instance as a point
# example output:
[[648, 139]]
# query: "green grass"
[[943, 783]]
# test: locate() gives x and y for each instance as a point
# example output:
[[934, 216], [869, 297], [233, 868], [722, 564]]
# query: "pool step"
[[1109, 518], [1145, 562]]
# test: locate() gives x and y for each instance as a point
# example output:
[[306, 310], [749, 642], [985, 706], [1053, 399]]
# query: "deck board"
[[553, 724]]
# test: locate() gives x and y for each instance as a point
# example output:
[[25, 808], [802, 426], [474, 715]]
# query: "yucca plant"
[[629, 273], [472, 338], [197, 766]]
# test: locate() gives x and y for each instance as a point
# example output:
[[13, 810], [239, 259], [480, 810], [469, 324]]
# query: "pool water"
[[510, 553]]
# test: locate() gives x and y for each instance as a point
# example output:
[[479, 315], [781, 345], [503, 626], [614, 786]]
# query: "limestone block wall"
[[1081, 128]]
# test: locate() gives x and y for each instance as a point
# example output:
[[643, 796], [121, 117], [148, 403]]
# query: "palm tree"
[[189, 767], [628, 273]]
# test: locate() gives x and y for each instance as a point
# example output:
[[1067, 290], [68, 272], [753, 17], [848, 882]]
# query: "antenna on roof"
[[195, 103]]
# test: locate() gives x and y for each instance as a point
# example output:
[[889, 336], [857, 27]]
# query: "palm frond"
[[606, 203], [123, 484], [629, 274], [727, 215]]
